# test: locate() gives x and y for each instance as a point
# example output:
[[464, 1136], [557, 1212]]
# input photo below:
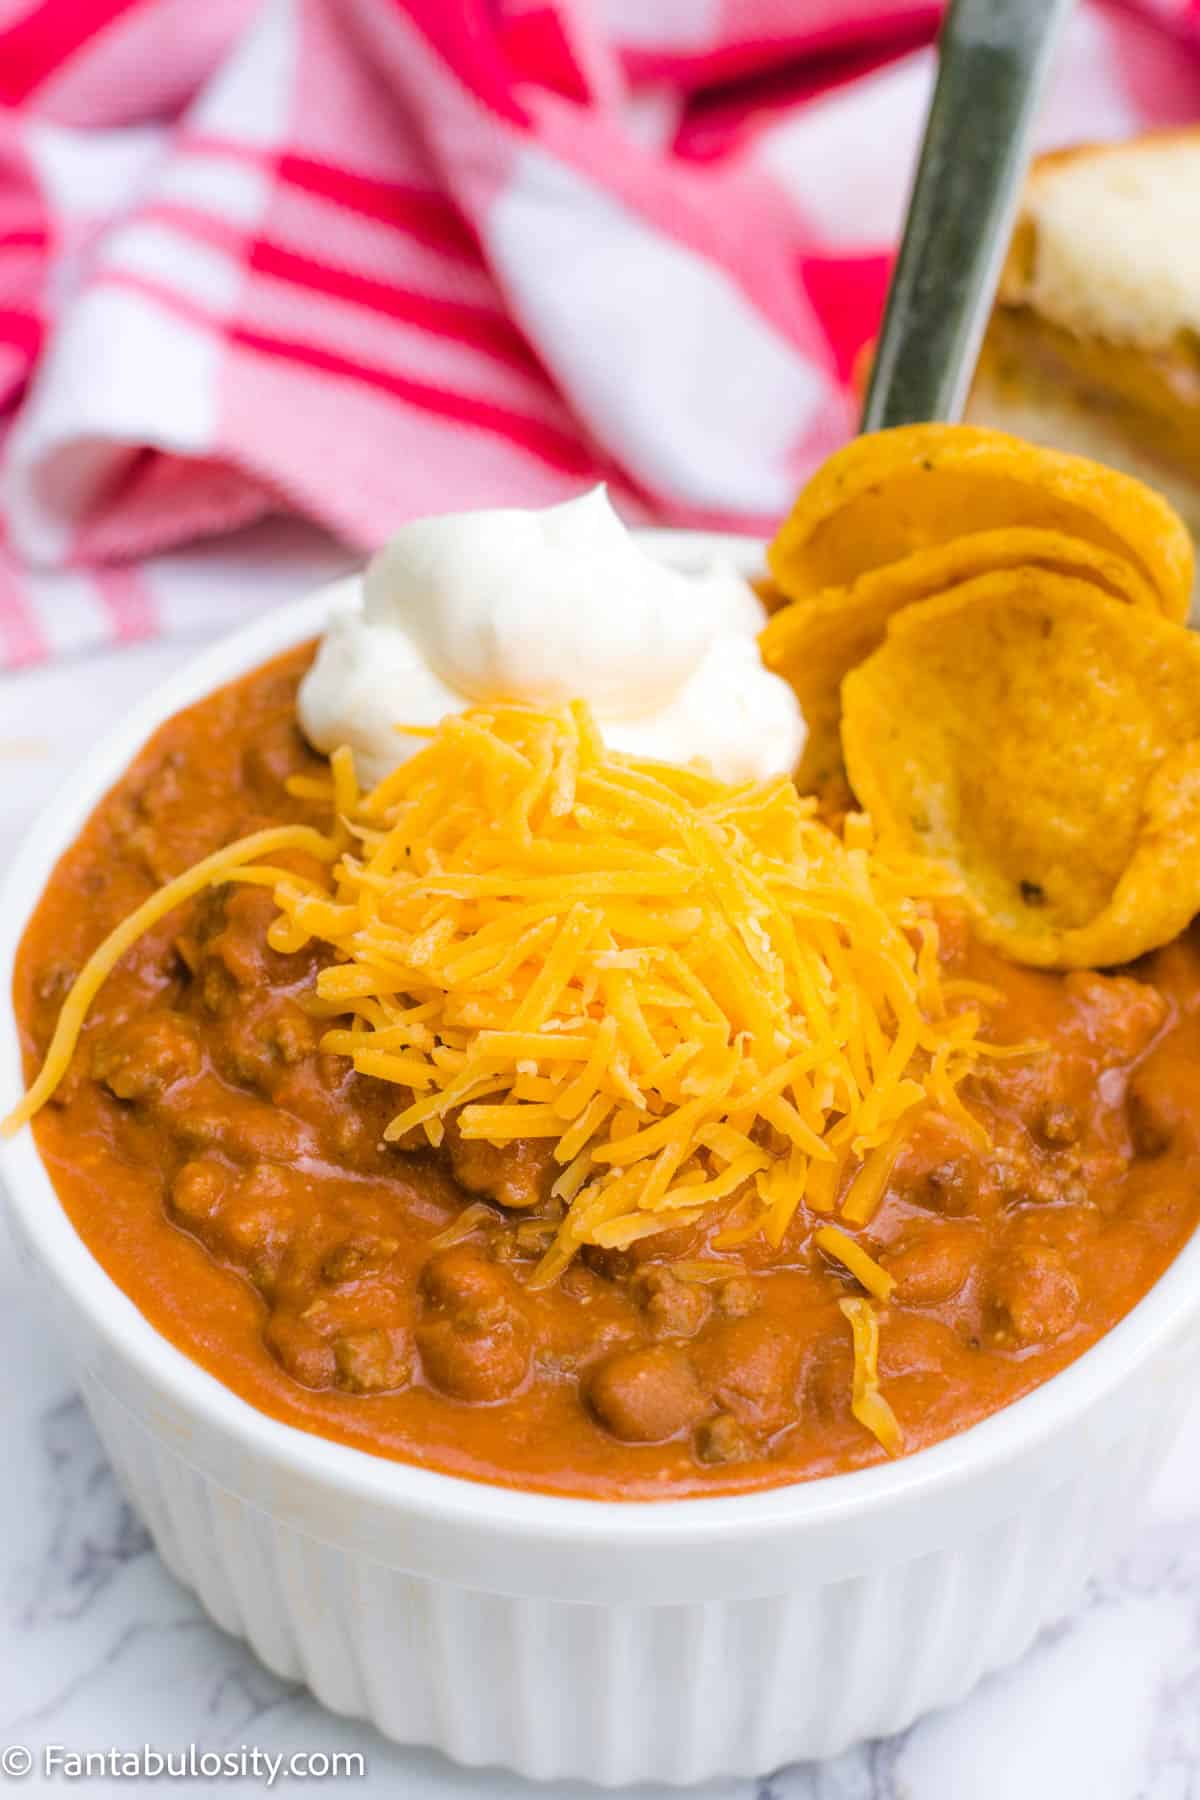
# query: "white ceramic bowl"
[[671, 1640]]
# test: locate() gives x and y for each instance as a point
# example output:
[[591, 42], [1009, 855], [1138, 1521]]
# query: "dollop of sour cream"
[[545, 607]]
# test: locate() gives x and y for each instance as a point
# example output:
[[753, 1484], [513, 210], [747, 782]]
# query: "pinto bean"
[[1034, 1297], [477, 1344], [475, 1363], [646, 1396], [931, 1262], [752, 1368], [470, 1287], [301, 1349], [198, 1191]]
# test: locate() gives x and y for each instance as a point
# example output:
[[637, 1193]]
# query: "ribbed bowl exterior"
[[620, 1693]]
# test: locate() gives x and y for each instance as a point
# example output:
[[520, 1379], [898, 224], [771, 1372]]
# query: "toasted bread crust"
[[1110, 255]]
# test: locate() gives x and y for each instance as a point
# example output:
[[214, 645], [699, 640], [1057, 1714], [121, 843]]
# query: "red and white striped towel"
[[346, 261]]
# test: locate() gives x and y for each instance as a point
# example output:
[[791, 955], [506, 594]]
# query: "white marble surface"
[[99, 1647]]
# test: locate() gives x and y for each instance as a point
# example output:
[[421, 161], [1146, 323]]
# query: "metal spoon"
[[992, 63]]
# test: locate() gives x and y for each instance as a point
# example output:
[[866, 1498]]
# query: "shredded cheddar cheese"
[[866, 1271], [701, 995], [708, 1002], [867, 1402]]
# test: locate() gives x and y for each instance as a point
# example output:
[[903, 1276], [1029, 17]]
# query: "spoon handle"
[[992, 61]]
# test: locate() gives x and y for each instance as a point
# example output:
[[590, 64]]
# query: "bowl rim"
[[525, 1514]]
